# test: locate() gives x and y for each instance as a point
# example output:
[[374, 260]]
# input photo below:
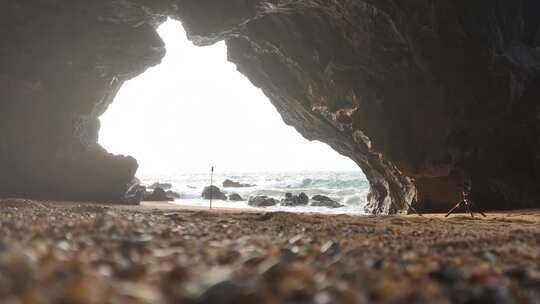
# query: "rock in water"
[[324, 201], [321, 198], [159, 195], [232, 184], [295, 200], [235, 197], [303, 198], [262, 201], [172, 194], [213, 192]]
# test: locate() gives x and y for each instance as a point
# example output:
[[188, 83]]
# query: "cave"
[[195, 110], [422, 95]]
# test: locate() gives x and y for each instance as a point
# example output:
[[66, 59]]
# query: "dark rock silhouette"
[[232, 184], [235, 197], [158, 195], [321, 198], [214, 193], [173, 195], [325, 201], [295, 200], [415, 92], [262, 201]]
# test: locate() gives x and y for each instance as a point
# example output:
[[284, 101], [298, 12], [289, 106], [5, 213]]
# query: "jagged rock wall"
[[422, 94], [62, 63]]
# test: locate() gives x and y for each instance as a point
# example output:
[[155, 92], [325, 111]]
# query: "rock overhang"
[[421, 95]]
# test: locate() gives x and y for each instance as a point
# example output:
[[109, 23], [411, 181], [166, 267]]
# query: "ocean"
[[348, 188]]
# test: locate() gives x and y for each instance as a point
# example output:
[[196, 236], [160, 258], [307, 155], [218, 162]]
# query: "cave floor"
[[87, 253]]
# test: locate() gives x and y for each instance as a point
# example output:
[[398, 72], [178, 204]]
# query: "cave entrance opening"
[[194, 111]]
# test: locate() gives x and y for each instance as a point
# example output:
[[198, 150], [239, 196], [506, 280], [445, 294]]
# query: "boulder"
[[213, 192], [173, 195], [295, 200], [235, 197], [232, 184], [262, 201], [325, 201], [158, 195], [321, 198]]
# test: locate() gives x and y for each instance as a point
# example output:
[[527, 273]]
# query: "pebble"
[[517, 273], [484, 294], [447, 274], [330, 248], [489, 256]]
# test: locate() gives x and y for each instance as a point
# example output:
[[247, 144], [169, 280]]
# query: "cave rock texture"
[[421, 94]]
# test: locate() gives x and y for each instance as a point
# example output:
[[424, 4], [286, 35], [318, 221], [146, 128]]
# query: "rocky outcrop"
[[412, 91], [262, 201], [235, 197], [172, 194], [420, 94], [213, 192], [61, 64], [291, 200], [232, 184], [158, 195], [324, 201]]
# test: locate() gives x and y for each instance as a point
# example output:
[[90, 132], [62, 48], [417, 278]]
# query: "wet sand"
[[163, 253]]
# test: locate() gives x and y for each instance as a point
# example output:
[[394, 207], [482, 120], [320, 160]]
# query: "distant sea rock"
[[213, 192], [262, 201], [295, 200], [232, 184], [158, 195], [325, 201], [172, 194], [235, 197]]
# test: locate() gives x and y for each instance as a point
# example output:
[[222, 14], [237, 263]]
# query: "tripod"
[[466, 204]]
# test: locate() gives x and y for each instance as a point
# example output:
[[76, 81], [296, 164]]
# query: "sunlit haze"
[[195, 110]]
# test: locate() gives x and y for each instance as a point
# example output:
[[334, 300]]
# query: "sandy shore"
[[161, 253]]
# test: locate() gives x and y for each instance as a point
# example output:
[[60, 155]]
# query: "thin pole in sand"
[[211, 185]]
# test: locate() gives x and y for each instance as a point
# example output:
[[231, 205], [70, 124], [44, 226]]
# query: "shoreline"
[[522, 214], [167, 253]]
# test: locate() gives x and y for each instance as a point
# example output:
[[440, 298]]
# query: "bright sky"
[[195, 110]]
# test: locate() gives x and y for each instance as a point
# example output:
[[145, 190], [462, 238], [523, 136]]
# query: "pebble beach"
[[61, 252]]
